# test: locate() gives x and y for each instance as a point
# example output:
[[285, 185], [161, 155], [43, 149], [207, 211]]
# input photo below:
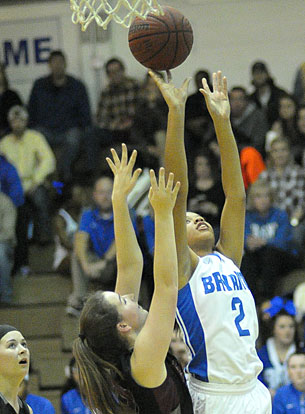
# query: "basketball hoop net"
[[122, 12]]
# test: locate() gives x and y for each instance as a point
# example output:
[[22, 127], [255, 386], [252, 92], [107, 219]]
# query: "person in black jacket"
[[59, 108], [266, 94]]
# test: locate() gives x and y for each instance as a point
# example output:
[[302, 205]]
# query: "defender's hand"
[[163, 196], [174, 97], [124, 178], [217, 100]]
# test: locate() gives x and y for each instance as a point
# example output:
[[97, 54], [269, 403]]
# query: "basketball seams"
[[176, 35], [159, 50], [159, 33], [184, 37]]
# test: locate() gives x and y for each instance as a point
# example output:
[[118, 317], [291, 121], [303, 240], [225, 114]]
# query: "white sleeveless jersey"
[[217, 315]]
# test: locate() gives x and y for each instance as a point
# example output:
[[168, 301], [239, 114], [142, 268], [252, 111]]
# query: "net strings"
[[84, 11]]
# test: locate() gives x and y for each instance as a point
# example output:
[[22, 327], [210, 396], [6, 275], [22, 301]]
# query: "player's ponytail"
[[97, 352]]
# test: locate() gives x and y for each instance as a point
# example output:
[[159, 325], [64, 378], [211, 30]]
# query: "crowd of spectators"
[[42, 200]]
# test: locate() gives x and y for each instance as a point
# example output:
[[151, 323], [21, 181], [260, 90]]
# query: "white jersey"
[[217, 315]]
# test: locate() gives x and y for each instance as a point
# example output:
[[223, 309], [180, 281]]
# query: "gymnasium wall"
[[228, 35]]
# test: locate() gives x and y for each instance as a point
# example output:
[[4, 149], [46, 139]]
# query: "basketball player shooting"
[[216, 310]]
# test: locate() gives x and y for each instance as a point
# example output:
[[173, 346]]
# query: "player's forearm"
[[165, 254], [128, 251], [230, 163], [175, 157]]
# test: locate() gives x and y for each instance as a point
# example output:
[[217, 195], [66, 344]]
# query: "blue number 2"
[[239, 317]]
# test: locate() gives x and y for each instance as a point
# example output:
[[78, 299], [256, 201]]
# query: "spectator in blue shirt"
[[290, 399], [39, 405], [10, 183], [94, 247], [269, 252], [59, 108], [71, 400]]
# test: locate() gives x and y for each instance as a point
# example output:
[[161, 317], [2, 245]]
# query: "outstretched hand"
[[124, 177], [174, 97], [163, 196], [217, 100]]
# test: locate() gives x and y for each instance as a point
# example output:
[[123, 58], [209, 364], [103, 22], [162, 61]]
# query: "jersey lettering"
[[220, 283]]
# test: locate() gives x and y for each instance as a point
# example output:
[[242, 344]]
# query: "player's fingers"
[[169, 76], [170, 181], [162, 177], [225, 86], [124, 154], [135, 176], [153, 180], [155, 77], [176, 189], [132, 159], [186, 83], [115, 156], [205, 85], [214, 81], [111, 165], [219, 80], [150, 193]]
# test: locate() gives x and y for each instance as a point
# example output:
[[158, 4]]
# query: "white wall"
[[228, 35]]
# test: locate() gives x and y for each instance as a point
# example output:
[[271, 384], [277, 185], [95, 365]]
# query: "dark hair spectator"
[[280, 344], [198, 125], [266, 94], [247, 119], [8, 98], [286, 124]]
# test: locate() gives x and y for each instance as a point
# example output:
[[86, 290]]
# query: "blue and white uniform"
[[217, 315]]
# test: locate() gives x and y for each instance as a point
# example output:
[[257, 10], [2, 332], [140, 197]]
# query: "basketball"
[[161, 42]]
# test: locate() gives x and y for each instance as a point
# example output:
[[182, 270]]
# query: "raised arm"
[[128, 253], [231, 240], [175, 161], [152, 343]]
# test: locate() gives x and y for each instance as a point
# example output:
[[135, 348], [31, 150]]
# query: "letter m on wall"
[[16, 53]]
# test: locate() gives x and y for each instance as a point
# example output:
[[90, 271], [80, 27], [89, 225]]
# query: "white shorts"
[[224, 399]]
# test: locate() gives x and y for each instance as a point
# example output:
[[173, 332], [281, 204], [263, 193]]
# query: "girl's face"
[[287, 108], [301, 120], [262, 200], [14, 355], [131, 312], [280, 154], [198, 231], [284, 329], [296, 370]]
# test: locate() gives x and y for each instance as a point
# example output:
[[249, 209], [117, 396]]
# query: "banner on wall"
[[25, 45]]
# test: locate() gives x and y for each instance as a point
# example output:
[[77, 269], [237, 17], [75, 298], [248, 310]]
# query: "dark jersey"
[[170, 397], [6, 408]]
